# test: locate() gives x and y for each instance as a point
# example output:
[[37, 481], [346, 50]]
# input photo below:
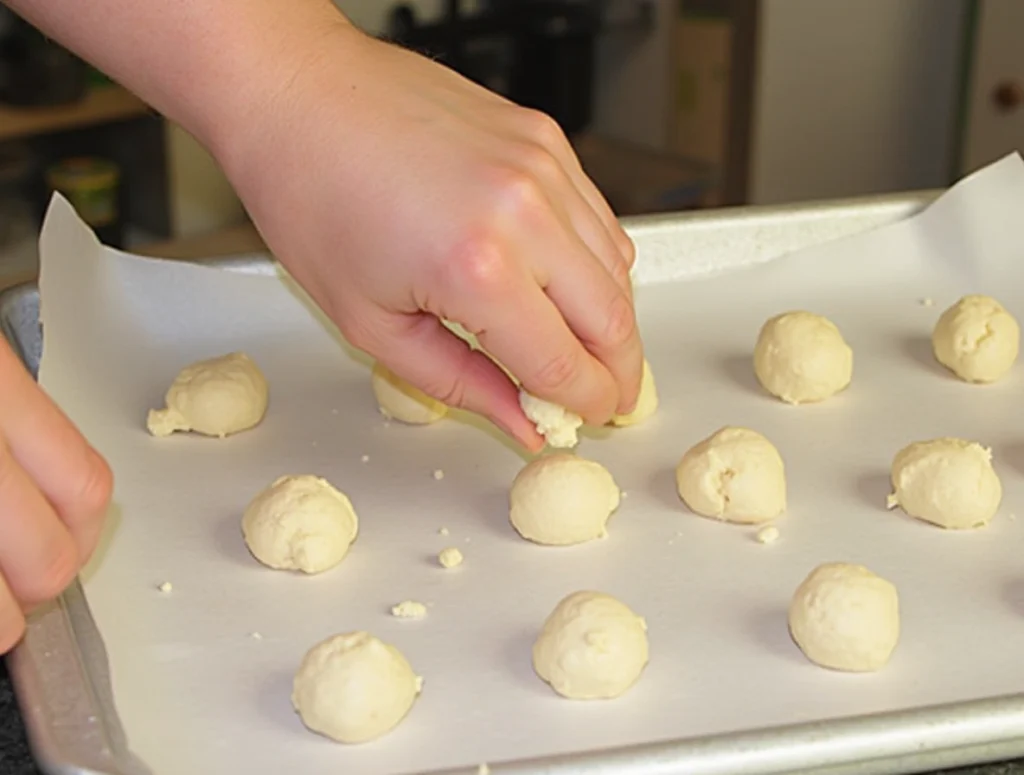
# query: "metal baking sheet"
[[176, 684]]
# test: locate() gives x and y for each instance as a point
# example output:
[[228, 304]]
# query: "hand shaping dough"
[[646, 405], [354, 688], [401, 401], [844, 617], [555, 423], [214, 397], [591, 647], [300, 523], [735, 475], [948, 482], [560, 499], [802, 358], [976, 339]]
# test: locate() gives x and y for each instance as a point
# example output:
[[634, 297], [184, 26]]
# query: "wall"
[[855, 97]]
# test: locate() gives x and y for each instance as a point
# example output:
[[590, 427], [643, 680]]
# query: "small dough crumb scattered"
[[802, 358], [365, 458], [948, 482], [735, 475], [926, 302], [214, 397], [555, 423], [439, 474], [399, 400], [354, 688], [844, 617], [300, 523], [409, 609], [561, 499], [976, 339], [256, 635], [768, 534], [450, 557], [646, 404], [442, 531], [166, 587], [592, 646]]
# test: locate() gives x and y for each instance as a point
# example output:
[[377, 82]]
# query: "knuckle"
[[543, 129], [620, 324], [541, 162], [479, 265], [627, 247], [559, 372], [520, 193], [620, 273], [96, 488]]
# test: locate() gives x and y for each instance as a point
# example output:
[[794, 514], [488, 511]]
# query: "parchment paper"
[[197, 693]]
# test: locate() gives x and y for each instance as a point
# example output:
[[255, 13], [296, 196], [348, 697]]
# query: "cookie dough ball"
[[398, 400], [591, 647], [300, 523], [214, 397], [354, 688], [561, 499], [976, 339], [948, 482], [735, 475], [844, 617], [802, 358], [646, 405], [555, 423]]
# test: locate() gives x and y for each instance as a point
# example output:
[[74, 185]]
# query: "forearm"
[[205, 65]]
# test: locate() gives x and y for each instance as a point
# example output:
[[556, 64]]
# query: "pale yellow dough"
[[844, 617], [354, 688], [735, 475], [976, 339], [592, 646], [215, 397], [646, 405], [300, 523], [555, 423], [948, 482], [560, 499], [398, 400], [802, 358]]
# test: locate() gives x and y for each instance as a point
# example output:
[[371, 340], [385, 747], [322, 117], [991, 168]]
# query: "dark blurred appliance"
[[33, 69], [537, 53]]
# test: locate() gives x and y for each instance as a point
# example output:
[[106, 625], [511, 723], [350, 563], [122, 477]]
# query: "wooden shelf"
[[101, 105]]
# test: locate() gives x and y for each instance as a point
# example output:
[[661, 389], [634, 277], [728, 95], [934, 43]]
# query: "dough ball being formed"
[[300, 523], [214, 397], [398, 400], [591, 647], [646, 405], [354, 688], [555, 423], [802, 358], [844, 617], [976, 339], [560, 499], [948, 482], [735, 475]]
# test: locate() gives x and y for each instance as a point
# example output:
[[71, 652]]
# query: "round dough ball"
[[300, 523], [844, 617], [646, 405], [398, 400], [561, 499], [948, 482], [214, 397], [802, 358], [353, 688], [976, 339], [591, 647], [735, 475], [555, 423]]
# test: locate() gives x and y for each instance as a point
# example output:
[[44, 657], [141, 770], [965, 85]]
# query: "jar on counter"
[[92, 186]]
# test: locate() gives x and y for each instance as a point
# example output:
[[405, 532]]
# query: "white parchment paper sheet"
[[196, 693]]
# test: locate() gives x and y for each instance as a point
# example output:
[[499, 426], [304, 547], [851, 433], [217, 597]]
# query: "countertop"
[[15, 758]]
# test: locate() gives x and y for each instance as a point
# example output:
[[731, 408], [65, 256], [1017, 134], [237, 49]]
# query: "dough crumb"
[[409, 609], [334, 411], [398, 400], [439, 474], [365, 458], [256, 635], [442, 531], [926, 302], [625, 494], [768, 534], [555, 423], [450, 557], [483, 769], [166, 587], [214, 397]]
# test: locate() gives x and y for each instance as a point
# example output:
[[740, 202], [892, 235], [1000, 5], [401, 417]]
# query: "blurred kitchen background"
[[671, 105]]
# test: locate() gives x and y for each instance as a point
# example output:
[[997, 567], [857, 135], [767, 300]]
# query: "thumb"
[[421, 350]]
